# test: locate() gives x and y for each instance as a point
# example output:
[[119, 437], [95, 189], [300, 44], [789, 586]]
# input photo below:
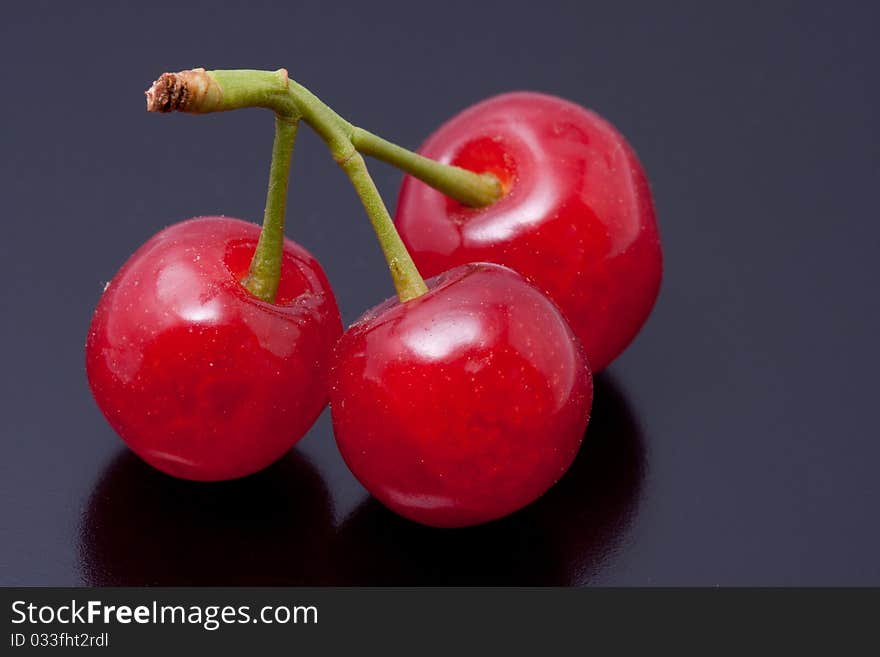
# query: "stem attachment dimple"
[[264, 274]]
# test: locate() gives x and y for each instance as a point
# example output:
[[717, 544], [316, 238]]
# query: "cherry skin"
[[576, 216], [464, 404], [200, 378]]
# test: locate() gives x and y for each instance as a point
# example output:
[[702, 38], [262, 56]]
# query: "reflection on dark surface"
[[275, 527], [562, 539], [143, 527]]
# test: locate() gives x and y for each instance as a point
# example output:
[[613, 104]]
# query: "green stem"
[[200, 91], [474, 189], [407, 280], [265, 270]]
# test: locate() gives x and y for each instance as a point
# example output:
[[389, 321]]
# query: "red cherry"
[[201, 379], [464, 404], [576, 218]]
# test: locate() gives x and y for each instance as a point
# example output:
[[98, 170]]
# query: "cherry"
[[576, 215], [463, 404], [199, 377]]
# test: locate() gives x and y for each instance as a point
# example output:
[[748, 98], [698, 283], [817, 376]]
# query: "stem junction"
[[200, 91]]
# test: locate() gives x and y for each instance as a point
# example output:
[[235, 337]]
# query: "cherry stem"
[[476, 190], [407, 280], [199, 91], [264, 274]]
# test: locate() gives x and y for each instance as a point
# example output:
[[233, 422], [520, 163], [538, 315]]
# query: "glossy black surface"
[[734, 443]]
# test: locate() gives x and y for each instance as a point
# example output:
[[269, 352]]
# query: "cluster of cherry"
[[216, 346]]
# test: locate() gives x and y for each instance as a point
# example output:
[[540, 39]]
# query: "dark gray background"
[[734, 443]]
